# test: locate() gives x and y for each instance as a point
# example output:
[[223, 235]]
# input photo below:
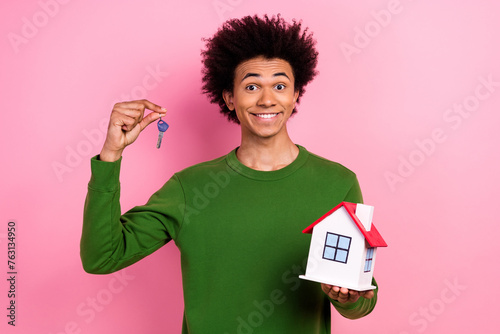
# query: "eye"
[[251, 87], [280, 86]]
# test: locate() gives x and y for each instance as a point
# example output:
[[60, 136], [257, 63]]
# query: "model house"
[[343, 247]]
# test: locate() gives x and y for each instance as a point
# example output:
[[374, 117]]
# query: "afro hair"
[[239, 40]]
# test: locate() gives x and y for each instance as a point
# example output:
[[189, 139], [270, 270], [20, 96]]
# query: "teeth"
[[265, 115]]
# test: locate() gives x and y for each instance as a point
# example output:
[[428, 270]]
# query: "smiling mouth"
[[266, 115]]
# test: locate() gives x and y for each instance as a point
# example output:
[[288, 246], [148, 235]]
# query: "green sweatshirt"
[[239, 234]]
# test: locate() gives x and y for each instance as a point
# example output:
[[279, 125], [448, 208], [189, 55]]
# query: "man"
[[237, 220]]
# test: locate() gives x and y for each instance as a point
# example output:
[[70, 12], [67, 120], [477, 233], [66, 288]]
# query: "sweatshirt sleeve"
[[111, 241], [354, 194]]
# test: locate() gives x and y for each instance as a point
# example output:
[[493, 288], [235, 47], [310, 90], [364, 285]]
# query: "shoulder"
[[322, 164], [331, 179], [203, 168]]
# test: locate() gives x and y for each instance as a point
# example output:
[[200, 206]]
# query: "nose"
[[267, 98]]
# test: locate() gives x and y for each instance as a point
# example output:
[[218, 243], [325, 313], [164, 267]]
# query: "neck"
[[267, 154]]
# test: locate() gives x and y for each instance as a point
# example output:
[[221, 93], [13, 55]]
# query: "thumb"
[[150, 118]]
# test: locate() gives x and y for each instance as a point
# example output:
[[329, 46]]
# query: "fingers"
[[141, 105], [336, 293], [128, 114], [151, 117], [123, 127], [344, 295], [367, 294]]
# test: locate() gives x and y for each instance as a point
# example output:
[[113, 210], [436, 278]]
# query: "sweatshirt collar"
[[237, 166]]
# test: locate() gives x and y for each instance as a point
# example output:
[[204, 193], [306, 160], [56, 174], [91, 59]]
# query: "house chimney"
[[365, 215]]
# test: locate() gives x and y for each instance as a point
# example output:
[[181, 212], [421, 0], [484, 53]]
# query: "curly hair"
[[242, 39]]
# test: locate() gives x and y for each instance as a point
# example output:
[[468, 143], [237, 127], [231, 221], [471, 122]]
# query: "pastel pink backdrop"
[[391, 74]]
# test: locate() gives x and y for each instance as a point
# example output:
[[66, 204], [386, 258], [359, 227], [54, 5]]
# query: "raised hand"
[[126, 122]]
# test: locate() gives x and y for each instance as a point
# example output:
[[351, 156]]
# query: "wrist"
[[110, 155]]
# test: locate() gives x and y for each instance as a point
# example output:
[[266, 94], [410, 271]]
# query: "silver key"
[[160, 137], [162, 127]]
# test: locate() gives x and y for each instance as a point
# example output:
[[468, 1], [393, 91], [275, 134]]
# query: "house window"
[[336, 247], [369, 260]]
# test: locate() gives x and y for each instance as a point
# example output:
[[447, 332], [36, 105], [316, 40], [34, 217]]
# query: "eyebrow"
[[258, 75]]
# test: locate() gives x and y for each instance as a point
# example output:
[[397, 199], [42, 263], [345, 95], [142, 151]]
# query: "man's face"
[[263, 97]]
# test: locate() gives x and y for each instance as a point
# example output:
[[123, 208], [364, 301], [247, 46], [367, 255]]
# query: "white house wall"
[[337, 273]]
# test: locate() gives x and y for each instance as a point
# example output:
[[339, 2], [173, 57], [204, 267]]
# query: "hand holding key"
[[126, 122]]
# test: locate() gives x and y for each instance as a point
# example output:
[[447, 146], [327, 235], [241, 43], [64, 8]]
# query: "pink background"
[[383, 105]]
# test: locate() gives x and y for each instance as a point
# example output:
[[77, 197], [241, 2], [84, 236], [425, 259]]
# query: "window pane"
[[368, 266], [329, 253], [344, 242], [341, 256], [331, 239]]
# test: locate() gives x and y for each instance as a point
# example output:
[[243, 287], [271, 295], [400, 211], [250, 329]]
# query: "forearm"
[[101, 226], [111, 241]]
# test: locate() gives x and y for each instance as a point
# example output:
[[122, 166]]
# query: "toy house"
[[343, 247]]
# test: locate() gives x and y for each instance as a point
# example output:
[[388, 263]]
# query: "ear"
[[228, 98], [295, 97]]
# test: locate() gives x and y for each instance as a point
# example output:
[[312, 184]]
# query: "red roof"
[[373, 237]]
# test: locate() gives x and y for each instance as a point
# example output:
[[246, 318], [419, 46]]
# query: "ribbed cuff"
[[105, 175]]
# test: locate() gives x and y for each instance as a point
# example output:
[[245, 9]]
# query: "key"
[[162, 127]]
